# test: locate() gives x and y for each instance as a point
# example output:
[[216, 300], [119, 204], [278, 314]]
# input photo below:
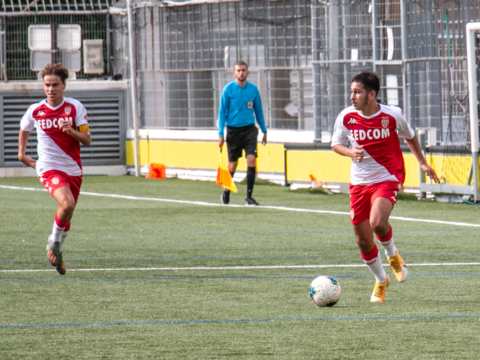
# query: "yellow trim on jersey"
[[84, 128]]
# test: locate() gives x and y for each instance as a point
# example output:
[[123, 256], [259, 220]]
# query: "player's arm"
[[415, 148], [356, 153], [22, 147], [340, 138], [264, 140], [257, 107], [82, 135], [222, 118]]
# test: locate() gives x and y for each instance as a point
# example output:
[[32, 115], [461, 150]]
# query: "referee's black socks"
[[250, 180]]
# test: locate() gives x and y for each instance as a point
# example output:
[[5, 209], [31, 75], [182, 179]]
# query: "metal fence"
[[436, 66], [436, 75], [34, 33], [302, 55], [342, 46], [416, 46], [185, 57]]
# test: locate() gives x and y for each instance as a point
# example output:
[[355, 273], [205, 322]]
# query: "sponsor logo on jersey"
[[385, 121], [55, 123], [371, 262], [40, 113], [68, 110], [352, 213], [370, 134], [352, 121], [55, 181]]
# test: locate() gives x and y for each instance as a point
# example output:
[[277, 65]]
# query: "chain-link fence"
[[185, 57], [436, 74], [302, 55], [342, 47], [415, 45], [436, 65], [35, 33]]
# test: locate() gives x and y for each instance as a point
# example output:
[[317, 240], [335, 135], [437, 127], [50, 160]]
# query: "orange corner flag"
[[315, 183], [156, 171], [224, 178]]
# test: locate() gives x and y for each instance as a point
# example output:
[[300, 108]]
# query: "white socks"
[[374, 263], [387, 243]]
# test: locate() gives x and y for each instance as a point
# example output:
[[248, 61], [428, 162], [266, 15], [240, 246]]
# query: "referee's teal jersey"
[[238, 106]]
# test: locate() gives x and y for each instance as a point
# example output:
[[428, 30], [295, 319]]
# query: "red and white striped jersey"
[[56, 149], [378, 133]]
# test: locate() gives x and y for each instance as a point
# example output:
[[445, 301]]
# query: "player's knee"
[[67, 205], [378, 226], [362, 242], [251, 161]]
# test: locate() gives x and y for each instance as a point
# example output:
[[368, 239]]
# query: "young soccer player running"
[[377, 173], [239, 106], [61, 127]]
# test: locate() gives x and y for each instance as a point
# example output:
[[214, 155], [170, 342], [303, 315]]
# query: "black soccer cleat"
[[61, 266], [251, 202], [225, 197]]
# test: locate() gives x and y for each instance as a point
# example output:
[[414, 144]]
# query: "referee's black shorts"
[[241, 138]]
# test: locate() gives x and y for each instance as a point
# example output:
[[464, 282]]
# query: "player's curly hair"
[[55, 69], [369, 80]]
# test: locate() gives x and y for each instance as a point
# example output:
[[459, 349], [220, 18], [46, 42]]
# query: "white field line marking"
[[238, 267], [283, 208]]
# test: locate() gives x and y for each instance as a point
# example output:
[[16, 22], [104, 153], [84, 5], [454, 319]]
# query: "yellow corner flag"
[[224, 178]]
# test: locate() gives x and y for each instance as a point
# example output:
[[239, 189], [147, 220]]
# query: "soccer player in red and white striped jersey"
[[62, 126], [372, 131]]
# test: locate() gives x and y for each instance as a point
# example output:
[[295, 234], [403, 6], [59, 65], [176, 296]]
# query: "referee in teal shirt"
[[239, 106]]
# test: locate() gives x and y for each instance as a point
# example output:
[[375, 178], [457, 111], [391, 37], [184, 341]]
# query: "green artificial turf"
[[152, 279]]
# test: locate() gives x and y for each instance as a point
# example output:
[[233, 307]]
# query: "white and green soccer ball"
[[325, 291]]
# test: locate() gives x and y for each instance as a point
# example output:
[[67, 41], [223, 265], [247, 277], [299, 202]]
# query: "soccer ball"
[[325, 291]]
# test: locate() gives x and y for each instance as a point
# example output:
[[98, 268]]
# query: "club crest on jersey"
[[250, 104], [385, 121], [68, 110]]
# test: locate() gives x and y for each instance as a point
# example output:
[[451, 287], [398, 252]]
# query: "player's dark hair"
[[55, 69], [369, 80], [240, 63]]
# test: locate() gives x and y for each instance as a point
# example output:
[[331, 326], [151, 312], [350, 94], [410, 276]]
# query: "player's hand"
[[220, 141], [430, 172], [264, 140], [358, 153], [65, 126], [28, 161]]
